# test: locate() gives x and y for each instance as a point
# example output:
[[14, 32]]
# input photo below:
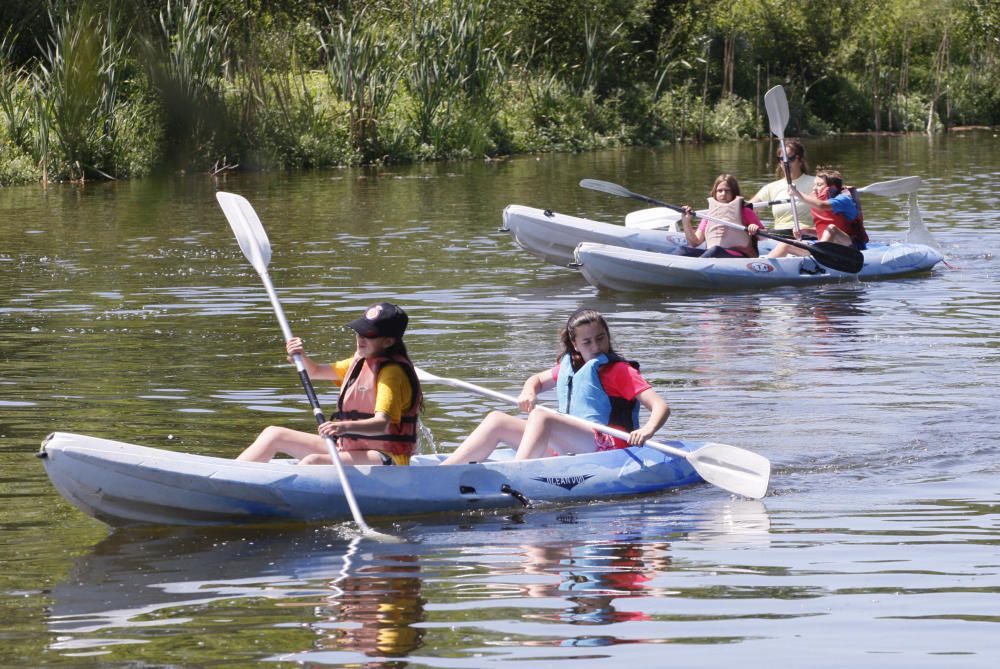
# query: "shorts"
[[605, 442]]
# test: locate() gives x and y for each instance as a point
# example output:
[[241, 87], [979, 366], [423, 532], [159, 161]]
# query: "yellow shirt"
[[778, 190], [393, 392]]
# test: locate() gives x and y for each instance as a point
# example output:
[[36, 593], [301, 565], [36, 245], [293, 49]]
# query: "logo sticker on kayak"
[[567, 482], [760, 267]]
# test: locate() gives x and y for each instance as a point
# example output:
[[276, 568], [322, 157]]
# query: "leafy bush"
[[16, 165], [731, 118]]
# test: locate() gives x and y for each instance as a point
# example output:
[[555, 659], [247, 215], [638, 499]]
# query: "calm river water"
[[127, 311]]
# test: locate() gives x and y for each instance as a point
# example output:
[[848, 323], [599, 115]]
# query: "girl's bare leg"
[[782, 250], [837, 236], [273, 440], [346, 457], [497, 428], [546, 430]]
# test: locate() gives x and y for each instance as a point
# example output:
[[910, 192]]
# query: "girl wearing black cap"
[[379, 401], [593, 382]]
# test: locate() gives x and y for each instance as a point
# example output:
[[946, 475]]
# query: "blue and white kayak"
[[617, 268], [124, 484]]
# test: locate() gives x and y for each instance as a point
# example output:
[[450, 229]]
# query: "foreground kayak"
[[124, 484], [618, 268]]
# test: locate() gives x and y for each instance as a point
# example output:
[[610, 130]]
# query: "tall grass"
[[185, 57], [15, 100], [76, 93], [454, 75], [600, 51], [363, 68], [430, 79]]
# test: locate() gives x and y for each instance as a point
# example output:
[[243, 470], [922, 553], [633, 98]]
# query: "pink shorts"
[[605, 442]]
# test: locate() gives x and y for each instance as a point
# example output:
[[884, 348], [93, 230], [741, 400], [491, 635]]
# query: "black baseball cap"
[[381, 320]]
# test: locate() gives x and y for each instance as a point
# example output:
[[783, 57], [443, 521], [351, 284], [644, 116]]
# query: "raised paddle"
[[256, 247], [918, 232], [828, 254], [901, 186], [776, 105], [733, 469]]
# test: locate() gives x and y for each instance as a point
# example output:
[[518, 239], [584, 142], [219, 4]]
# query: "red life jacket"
[[357, 402], [854, 229]]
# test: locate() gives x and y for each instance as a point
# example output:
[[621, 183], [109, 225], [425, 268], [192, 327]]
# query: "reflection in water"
[[136, 581], [375, 612], [595, 574], [309, 595], [835, 309]]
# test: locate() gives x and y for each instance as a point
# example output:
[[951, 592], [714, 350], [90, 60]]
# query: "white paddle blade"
[[776, 105], [903, 186], [656, 218], [918, 232], [424, 376], [734, 469], [246, 226]]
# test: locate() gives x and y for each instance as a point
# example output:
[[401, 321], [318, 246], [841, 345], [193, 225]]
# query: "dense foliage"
[[116, 88]]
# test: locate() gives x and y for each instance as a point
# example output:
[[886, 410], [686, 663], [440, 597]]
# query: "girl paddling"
[[593, 382], [798, 169], [379, 400], [726, 204]]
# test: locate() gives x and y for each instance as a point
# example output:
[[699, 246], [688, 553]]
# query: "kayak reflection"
[[312, 595], [136, 584], [593, 576]]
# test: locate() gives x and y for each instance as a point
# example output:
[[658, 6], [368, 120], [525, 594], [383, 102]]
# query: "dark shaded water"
[[127, 311]]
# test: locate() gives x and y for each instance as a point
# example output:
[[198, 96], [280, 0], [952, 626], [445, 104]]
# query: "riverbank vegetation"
[[99, 89]]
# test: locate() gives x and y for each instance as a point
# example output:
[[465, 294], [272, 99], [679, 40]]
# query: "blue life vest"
[[581, 394]]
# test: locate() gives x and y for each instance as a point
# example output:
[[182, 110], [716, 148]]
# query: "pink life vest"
[[724, 236], [357, 402]]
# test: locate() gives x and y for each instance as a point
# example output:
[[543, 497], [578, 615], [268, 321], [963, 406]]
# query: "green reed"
[[185, 58], [76, 88], [454, 74], [15, 100], [363, 68]]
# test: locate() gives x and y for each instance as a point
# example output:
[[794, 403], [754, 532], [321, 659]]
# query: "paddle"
[[901, 186], [918, 232], [256, 247], [776, 105], [828, 254], [733, 469]]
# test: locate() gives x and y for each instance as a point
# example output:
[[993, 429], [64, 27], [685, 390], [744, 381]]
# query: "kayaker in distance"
[[380, 398], [724, 203], [836, 213], [593, 382], [784, 223]]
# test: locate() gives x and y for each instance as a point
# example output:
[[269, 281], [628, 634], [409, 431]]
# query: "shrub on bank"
[[111, 90], [17, 166]]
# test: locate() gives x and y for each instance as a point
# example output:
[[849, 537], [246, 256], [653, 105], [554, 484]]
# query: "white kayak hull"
[[125, 484], [553, 237], [617, 268]]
